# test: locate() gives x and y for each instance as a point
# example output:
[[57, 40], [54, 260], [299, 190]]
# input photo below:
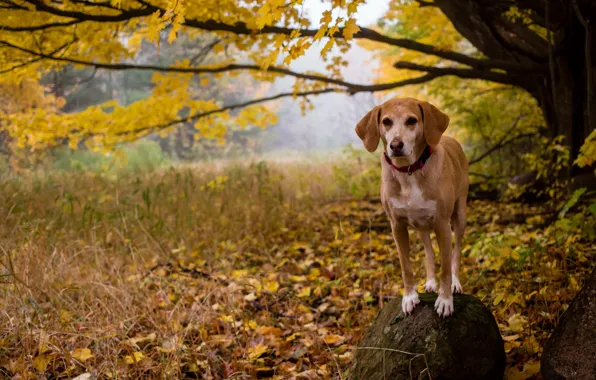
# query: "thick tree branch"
[[242, 28], [230, 107], [124, 15], [460, 72], [349, 87], [38, 27]]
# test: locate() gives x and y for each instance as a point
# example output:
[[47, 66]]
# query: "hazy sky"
[[368, 13], [331, 123]]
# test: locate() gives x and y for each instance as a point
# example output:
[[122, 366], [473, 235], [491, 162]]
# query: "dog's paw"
[[455, 285], [409, 302], [431, 286], [444, 306]]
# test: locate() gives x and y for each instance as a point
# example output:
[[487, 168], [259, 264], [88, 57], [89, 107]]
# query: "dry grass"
[[223, 272]]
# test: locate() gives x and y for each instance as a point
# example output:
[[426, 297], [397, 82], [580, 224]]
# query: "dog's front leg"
[[402, 239], [444, 303]]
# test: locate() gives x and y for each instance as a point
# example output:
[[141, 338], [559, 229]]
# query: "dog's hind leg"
[[458, 221], [402, 239], [429, 262]]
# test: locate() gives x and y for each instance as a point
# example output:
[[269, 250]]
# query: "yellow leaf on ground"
[[333, 339], [41, 362], [65, 316], [81, 354], [141, 339], [531, 368], [134, 358], [513, 373], [269, 330], [226, 318], [271, 286], [510, 338], [305, 292], [255, 352]]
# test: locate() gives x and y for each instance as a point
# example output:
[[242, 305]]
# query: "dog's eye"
[[387, 122], [411, 121]]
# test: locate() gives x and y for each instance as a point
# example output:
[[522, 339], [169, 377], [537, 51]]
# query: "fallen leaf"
[[134, 358], [510, 338], [255, 352], [81, 354], [41, 362], [141, 339], [333, 339], [305, 292], [269, 330]]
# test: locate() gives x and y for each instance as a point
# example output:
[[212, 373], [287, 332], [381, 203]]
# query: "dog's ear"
[[368, 129], [435, 122]]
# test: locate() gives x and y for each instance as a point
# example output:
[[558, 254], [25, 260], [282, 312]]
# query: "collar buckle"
[[409, 169]]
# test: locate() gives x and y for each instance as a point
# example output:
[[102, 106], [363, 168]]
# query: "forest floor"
[[244, 273]]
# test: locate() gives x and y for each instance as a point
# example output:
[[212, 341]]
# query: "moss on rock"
[[466, 345]]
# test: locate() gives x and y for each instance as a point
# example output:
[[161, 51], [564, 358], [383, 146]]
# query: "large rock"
[[466, 345], [570, 352]]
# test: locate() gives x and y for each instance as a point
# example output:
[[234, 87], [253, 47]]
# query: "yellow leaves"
[[326, 18], [587, 152], [255, 116], [498, 299], [134, 358], [350, 29], [353, 6], [530, 369], [135, 342], [327, 47], [517, 322], [295, 278], [305, 292], [269, 330], [510, 338], [320, 33], [226, 318], [257, 351], [333, 340], [269, 12], [65, 316], [41, 362], [271, 286], [81, 354]]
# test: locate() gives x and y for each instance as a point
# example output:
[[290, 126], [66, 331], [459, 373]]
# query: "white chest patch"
[[411, 205]]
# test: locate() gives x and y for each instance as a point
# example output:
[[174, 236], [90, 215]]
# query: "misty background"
[[327, 125]]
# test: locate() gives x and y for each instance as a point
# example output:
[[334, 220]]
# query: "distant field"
[[256, 268]]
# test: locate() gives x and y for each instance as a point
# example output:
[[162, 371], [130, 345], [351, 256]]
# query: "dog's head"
[[404, 125]]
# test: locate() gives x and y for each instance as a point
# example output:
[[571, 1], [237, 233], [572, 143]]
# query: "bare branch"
[[350, 87], [500, 145], [461, 72], [371, 88]]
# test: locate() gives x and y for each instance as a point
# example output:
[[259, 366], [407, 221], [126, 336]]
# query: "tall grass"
[[76, 245]]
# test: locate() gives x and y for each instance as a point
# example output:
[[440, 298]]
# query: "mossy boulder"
[[466, 345]]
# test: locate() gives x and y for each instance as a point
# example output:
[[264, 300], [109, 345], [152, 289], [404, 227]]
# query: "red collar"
[[419, 164]]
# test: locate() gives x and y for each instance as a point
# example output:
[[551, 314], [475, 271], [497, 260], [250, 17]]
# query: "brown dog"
[[424, 186]]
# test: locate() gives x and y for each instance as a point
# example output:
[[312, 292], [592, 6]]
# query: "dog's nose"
[[396, 145]]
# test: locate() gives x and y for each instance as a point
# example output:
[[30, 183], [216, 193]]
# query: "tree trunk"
[[564, 83], [565, 95]]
